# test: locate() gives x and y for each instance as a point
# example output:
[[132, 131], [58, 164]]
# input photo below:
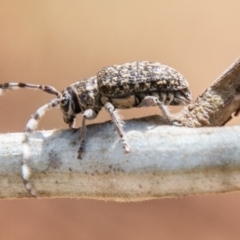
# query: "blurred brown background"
[[60, 42]]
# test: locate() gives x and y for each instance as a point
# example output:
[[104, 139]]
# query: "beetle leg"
[[163, 97], [71, 124], [88, 114], [170, 97], [118, 124], [149, 101]]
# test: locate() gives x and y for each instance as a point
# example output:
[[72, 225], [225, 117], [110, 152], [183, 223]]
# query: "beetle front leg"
[[70, 120], [88, 114], [72, 125], [118, 124]]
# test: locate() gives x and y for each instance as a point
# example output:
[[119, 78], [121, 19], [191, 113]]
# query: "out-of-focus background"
[[59, 42]]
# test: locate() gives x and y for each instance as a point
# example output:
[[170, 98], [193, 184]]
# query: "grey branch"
[[164, 161]]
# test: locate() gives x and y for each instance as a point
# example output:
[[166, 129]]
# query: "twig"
[[216, 105], [164, 161]]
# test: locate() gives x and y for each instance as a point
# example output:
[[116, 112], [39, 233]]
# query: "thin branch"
[[216, 105], [164, 161]]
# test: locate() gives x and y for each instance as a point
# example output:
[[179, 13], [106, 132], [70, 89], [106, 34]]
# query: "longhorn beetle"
[[123, 86]]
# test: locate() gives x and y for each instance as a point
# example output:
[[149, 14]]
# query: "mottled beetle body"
[[142, 79], [136, 84]]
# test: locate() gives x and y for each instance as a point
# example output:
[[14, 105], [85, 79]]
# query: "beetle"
[[136, 84]]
